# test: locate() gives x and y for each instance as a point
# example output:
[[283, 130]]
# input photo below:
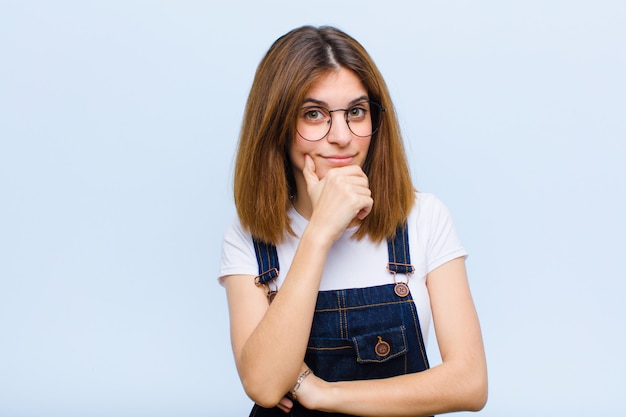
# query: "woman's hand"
[[339, 198], [303, 395], [312, 391], [285, 405]]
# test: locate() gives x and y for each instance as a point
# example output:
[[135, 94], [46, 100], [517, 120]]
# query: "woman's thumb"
[[309, 171]]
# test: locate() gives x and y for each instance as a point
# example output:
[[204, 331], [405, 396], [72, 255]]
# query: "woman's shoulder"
[[428, 203], [235, 228], [238, 256], [435, 231], [430, 213], [237, 238]]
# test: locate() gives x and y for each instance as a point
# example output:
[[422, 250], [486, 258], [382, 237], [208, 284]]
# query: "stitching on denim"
[[356, 347], [342, 312], [267, 257], [338, 310], [405, 245], [393, 246], [365, 306], [329, 348], [418, 331], [406, 363]]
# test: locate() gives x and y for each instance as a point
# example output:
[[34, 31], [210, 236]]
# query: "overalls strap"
[[267, 259], [399, 255]]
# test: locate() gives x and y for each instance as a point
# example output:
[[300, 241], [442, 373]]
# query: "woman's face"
[[340, 89]]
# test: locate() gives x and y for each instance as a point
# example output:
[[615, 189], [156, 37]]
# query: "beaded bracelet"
[[299, 381]]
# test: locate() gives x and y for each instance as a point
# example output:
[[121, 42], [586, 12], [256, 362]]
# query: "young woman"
[[336, 264]]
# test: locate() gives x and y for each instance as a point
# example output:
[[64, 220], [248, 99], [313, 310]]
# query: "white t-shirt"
[[433, 241]]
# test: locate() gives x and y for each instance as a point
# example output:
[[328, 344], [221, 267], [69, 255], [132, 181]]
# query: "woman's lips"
[[339, 159]]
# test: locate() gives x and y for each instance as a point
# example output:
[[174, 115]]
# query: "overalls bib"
[[357, 333]]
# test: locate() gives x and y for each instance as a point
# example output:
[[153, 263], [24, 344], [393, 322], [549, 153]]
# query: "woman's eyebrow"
[[322, 103], [315, 101]]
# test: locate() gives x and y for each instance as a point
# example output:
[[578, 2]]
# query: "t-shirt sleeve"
[[238, 256], [443, 243]]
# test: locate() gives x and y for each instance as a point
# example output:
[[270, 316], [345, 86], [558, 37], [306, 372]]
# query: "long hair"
[[264, 179]]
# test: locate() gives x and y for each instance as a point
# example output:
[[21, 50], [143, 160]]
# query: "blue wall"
[[118, 125]]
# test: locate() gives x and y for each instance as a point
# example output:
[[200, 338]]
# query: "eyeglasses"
[[363, 120]]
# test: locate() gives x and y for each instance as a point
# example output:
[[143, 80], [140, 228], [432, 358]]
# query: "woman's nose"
[[340, 132]]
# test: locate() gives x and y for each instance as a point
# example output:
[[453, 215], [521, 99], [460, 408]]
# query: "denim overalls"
[[357, 333]]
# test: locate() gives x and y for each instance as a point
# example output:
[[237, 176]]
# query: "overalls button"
[[401, 289], [382, 348]]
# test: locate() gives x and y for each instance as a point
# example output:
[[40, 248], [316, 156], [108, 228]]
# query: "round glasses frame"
[[375, 114]]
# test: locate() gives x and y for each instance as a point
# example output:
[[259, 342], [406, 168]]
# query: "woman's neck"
[[302, 204]]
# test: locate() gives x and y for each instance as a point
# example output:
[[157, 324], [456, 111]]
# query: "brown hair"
[[264, 180]]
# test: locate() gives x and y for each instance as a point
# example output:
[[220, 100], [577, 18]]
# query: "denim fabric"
[[347, 326], [346, 329], [358, 333]]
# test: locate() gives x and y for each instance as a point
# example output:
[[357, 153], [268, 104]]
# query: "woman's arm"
[[458, 383], [269, 341]]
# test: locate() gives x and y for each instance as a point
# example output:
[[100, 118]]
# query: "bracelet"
[[299, 381]]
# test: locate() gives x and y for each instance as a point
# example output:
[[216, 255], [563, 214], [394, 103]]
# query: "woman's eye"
[[357, 113], [314, 115]]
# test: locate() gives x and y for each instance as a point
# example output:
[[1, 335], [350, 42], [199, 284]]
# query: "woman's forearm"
[[271, 359], [445, 388]]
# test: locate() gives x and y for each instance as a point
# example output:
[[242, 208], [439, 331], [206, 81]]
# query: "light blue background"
[[118, 126]]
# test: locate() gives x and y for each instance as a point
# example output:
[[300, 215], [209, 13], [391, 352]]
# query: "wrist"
[[296, 387], [317, 237], [327, 402]]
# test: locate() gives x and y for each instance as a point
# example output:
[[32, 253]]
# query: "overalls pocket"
[[379, 354]]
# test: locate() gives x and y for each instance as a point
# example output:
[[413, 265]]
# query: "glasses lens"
[[314, 123], [363, 120]]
